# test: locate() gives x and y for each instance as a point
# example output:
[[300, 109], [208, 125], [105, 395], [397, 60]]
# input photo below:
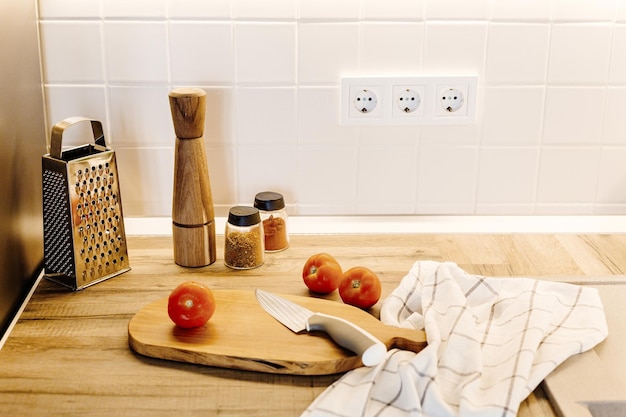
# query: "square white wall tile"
[[136, 51], [512, 115], [521, 10], [72, 52], [52, 9], [447, 175], [612, 177], [397, 188], [389, 136], [255, 43], [573, 115], [326, 51], [568, 175], [266, 115], [267, 168], [620, 12], [517, 53], [146, 177], [450, 135], [455, 48], [613, 124], [219, 121], [617, 74], [579, 53], [70, 101], [507, 175], [457, 9], [584, 10], [222, 164], [141, 117], [201, 53], [391, 48], [134, 8], [379, 10], [327, 175], [254, 9], [318, 118], [329, 9], [199, 9]]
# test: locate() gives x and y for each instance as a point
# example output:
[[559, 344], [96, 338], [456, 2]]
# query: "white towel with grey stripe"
[[491, 341]]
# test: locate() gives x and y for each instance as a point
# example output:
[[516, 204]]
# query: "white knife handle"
[[350, 336]]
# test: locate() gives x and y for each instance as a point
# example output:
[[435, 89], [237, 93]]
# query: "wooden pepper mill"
[[193, 225]]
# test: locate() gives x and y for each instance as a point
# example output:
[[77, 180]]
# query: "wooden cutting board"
[[241, 335]]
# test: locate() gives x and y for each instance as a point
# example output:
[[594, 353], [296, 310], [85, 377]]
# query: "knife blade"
[[606, 408], [346, 334]]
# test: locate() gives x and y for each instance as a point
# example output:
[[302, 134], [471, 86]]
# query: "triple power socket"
[[403, 101]]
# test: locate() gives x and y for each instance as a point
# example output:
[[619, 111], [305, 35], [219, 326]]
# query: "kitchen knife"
[[606, 408], [299, 319]]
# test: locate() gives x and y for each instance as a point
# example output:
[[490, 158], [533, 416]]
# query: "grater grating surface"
[[57, 234]]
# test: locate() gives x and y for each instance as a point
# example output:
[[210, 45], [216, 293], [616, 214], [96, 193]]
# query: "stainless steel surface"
[[293, 316], [22, 136]]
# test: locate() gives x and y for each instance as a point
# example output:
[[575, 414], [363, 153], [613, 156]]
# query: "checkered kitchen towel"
[[491, 341]]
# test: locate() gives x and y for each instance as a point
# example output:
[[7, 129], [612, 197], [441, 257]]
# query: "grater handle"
[[59, 128]]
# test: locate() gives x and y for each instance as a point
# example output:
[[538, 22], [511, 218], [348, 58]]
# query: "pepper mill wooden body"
[[193, 225]]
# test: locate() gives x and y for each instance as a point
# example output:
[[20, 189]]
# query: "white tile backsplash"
[[454, 48], [549, 138], [530, 41], [265, 65], [513, 115], [387, 46], [136, 52], [446, 176], [568, 175], [140, 116], [201, 53], [198, 9], [573, 115], [266, 116], [326, 51], [72, 51], [507, 175], [579, 53], [134, 9]]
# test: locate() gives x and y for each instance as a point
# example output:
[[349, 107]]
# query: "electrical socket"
[[364, 101], [409, 100], [451, 100]]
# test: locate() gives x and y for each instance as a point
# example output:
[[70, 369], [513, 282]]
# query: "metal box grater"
[[84, 236]]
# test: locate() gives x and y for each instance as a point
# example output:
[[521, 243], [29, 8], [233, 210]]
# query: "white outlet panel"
[[441, 100]]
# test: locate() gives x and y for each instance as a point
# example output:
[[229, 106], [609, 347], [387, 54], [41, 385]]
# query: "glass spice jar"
[[271, 207], [244, 244]]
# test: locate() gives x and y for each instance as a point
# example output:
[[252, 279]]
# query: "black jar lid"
[[243, 216], [269, 201]]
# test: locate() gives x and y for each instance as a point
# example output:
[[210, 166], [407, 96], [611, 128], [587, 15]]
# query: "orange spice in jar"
[[271, 207]]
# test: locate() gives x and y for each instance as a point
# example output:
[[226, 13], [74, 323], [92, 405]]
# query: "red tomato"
[[360, 287], [322, 273], [191, 304]]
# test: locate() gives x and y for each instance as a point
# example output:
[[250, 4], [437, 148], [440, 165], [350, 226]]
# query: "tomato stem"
[[356, 283]]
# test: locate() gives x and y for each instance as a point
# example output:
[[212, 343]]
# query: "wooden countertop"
[[68, 354]]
